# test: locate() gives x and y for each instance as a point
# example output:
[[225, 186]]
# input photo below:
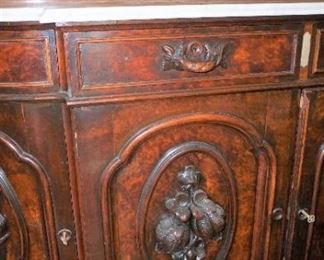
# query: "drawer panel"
[[318, 55], [122, 61], [27, 61]]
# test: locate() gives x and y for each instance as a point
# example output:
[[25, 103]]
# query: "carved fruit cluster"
[[192, 219], [3, 229]]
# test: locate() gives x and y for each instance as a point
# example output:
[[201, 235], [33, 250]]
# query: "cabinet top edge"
[[103, 3], [151, 12]]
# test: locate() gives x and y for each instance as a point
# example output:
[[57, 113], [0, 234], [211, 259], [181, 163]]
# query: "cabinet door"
[[186, 177], [306, 231], [35, 200], [26, 217]]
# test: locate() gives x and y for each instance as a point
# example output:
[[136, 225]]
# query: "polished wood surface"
[[101, 124], [217, 124], [308, 181], [318, 54], [33, 158], [28, 61], [107, 63]]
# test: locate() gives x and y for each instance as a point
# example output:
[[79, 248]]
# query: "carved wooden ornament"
[[192, 219], [3, 229], [8, 191], [194, 57]]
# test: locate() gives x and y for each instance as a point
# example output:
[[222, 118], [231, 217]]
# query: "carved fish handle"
[[194, 57]]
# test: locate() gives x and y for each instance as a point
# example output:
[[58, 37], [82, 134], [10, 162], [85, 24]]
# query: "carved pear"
[[208, 217]]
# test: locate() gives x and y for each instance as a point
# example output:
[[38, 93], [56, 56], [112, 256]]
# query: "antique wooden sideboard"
[[170, 138]]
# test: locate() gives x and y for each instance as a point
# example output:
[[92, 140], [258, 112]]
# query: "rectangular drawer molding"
[[27, 61], [131, 61], [318, 61]]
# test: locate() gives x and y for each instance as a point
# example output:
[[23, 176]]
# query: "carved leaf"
[[188, 177], [168, 50]]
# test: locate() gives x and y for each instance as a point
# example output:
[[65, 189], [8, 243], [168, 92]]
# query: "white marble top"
[[94, 14]]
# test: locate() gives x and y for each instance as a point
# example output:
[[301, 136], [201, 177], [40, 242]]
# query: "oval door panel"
[[191, 212], [194, 185]]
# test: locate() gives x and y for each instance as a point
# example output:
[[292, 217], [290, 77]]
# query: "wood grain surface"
[[94, 129]]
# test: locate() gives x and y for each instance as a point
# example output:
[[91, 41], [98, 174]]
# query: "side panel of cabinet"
[[129, 157], [35, 194], [306, 240]]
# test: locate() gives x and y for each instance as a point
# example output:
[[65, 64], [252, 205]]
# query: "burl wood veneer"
[[122, 61], [28, 61], [175, 139]]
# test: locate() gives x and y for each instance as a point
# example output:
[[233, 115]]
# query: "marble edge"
[[93, 14]]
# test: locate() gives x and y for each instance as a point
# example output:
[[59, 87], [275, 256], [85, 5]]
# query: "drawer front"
[[152, 60], [28, 61], [318, 51], [133, 157]]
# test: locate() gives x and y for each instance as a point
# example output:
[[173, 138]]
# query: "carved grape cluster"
[[192, 219]]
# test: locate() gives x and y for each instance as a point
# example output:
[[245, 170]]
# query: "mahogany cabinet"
[[173, 139]]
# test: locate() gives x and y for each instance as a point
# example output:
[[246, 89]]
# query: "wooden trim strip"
[[297, 172], [70, 150], [319, 162]]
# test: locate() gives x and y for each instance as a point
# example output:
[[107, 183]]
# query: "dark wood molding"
[[297, 171], [70, 150], [316, 188]]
